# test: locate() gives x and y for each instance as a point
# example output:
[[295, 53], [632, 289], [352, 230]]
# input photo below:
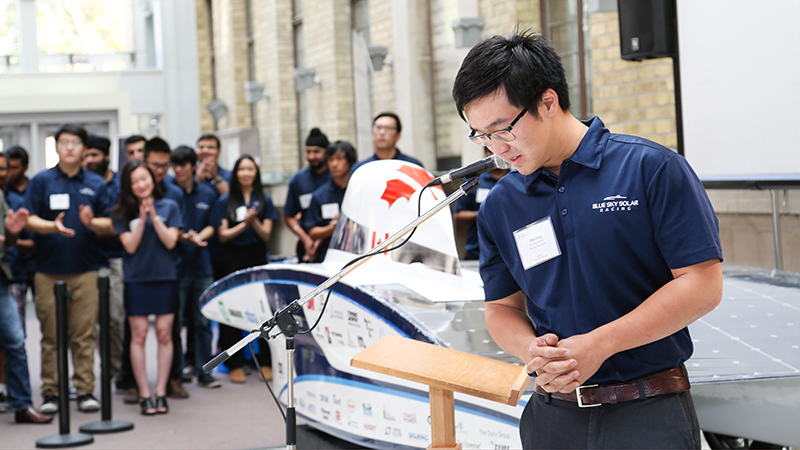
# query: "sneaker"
[[188, 374], [87, 403], [50, 405], [207, 381], [175, 389]]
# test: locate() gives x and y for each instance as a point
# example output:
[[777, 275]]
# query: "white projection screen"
[[740, 76]]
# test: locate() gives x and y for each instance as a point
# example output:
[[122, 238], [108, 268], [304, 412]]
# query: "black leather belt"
[[668, 382]]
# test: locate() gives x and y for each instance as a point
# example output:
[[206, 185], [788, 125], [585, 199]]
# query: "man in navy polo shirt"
[[63, 202], [323, 212], [194, 271], [208, 170], [301, 187], [595, 256], [386, 128]]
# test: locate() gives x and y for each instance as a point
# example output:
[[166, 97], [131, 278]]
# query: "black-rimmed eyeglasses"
[[504, 135]]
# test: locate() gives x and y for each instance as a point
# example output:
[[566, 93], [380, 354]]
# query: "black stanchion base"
[[106, 426], [65, 440]]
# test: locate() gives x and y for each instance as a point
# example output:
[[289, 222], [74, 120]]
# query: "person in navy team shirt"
[[386, 128], [149, 227], [208, 170], [595, 257], [194, 271], [96, 158], [65, 203], [244, 219], [466, 208], [323, 213], [134, 147], [20, 255], [301, 187]]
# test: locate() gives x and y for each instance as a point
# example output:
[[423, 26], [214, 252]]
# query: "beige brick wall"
[[328, 40], [631, 97], [204, 54], [232, 65]]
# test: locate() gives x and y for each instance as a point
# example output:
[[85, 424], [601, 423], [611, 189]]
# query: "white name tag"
[[241, 213], [537, 243], [59, 202], [330, 210], [305, 201], [480, 195]]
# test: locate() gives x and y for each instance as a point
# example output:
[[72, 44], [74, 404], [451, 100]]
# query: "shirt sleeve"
[[33, 197], [686, 227], [175, 218], [292, 206], [498, 282]]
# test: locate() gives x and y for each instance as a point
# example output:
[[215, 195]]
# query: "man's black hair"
[[343, 146], [72, 128], [17, 152], [524, 64], [157, 145], [393, 116], [210, 137], [134, 139], [183, 154]]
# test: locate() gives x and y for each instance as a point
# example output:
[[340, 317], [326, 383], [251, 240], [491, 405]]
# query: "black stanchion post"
[[64, 438], [107, 425]]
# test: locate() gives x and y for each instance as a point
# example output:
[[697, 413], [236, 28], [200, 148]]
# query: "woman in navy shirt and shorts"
[[243, 218], [148, 226]]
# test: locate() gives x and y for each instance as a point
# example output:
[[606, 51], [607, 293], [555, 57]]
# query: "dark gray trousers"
[[662, 422]]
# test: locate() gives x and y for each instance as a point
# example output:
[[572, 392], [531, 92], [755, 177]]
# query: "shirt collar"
[[78, 176], [589, 152]]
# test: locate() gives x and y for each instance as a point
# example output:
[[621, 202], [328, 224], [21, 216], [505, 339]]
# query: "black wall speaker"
[[647, 29]]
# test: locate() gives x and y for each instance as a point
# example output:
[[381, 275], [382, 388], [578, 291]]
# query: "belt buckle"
[[580, 399]]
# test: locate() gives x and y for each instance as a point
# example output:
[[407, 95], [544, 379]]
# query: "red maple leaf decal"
[[396, 189], [417, 174]]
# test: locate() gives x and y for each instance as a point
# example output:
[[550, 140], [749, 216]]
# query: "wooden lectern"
[[445, 371]]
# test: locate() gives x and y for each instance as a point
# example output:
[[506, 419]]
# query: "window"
[[564, 26]]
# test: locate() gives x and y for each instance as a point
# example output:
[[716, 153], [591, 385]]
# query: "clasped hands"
[[561, 365]]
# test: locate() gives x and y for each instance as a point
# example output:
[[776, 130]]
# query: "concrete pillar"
[[28, 45]]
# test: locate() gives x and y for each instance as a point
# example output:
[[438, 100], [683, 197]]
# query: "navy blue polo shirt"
[[472, 202], [248, 236], [112, 247], [328, 193], [214, 246], [152, 261], [625, 211], [196, 210], [301, 187], [398, 155], [18, 261], [172, 191], [56, 254]]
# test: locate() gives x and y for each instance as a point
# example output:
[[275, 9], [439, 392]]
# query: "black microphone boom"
[[489, 163]]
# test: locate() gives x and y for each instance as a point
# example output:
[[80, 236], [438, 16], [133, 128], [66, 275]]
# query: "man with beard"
[[301, 187], [96, 159]]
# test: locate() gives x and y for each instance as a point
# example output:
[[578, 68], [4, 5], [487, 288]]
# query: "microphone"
[[489, 163]]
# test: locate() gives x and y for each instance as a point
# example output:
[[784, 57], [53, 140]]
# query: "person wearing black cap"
[[301, 186], [96, 159]]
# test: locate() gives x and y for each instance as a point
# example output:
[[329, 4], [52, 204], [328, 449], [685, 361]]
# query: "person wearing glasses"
[[386, 128], [65, 203], [596, 254]]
